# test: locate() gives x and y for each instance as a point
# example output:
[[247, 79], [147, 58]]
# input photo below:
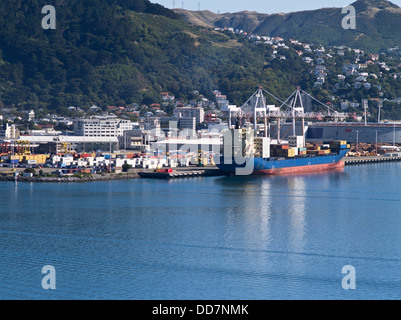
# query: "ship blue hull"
[[273, 166]]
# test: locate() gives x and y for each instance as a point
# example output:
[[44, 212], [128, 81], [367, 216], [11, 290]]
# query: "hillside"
[[116, 52], [245, 20], [119, 52], [377, 25]]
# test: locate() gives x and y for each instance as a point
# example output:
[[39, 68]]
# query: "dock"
[[351, 161], [192, 172], [181, 173]]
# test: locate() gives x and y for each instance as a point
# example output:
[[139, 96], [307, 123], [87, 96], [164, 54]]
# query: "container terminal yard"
[[18, 157], [108, 145]]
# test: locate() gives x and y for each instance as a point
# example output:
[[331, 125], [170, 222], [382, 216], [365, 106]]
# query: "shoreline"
[[180, 173], [108, 177], [210, 171]]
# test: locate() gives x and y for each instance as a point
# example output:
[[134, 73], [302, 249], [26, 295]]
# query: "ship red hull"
[[302, 169]]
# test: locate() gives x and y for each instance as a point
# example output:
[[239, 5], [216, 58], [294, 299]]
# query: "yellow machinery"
[[23, 147], [212, 161], [202, 161], [65, 148]]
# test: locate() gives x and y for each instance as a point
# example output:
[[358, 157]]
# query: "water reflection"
[[258, 198], [267, 199], [213, 238], [297, 189], [249, 208], [265, 209]]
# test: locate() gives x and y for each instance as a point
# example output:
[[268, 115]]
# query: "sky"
[[262, 6]]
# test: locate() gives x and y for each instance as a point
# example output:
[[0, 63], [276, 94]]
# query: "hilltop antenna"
[[198, 6], [173, 4]]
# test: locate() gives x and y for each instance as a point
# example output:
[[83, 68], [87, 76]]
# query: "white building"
[[187, 123], [190, 112], [31, 115], [10, 132], [101, 126]]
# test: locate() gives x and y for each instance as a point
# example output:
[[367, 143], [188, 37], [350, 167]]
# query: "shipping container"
[[279, 146]]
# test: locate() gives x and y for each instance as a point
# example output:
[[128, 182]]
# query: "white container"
[[296, 141]]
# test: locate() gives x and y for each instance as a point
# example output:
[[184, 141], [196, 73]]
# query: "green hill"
[[118, 52]]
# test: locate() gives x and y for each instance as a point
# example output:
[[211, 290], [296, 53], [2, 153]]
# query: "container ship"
[[280, 159], [249, 148]]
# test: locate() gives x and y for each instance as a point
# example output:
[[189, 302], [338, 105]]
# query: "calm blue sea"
[[205, 238]]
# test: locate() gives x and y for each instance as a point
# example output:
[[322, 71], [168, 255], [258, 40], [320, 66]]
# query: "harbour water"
[[256, 238]]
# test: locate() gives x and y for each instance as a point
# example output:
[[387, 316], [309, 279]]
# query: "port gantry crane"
[[255, 108]]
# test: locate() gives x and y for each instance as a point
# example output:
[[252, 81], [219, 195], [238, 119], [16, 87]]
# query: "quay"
[[182, 173], [350, 161], [214, 171]]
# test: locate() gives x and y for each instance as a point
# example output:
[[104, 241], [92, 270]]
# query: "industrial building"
[[388, 133], [56, 144], [101, 126], [190, 112]]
